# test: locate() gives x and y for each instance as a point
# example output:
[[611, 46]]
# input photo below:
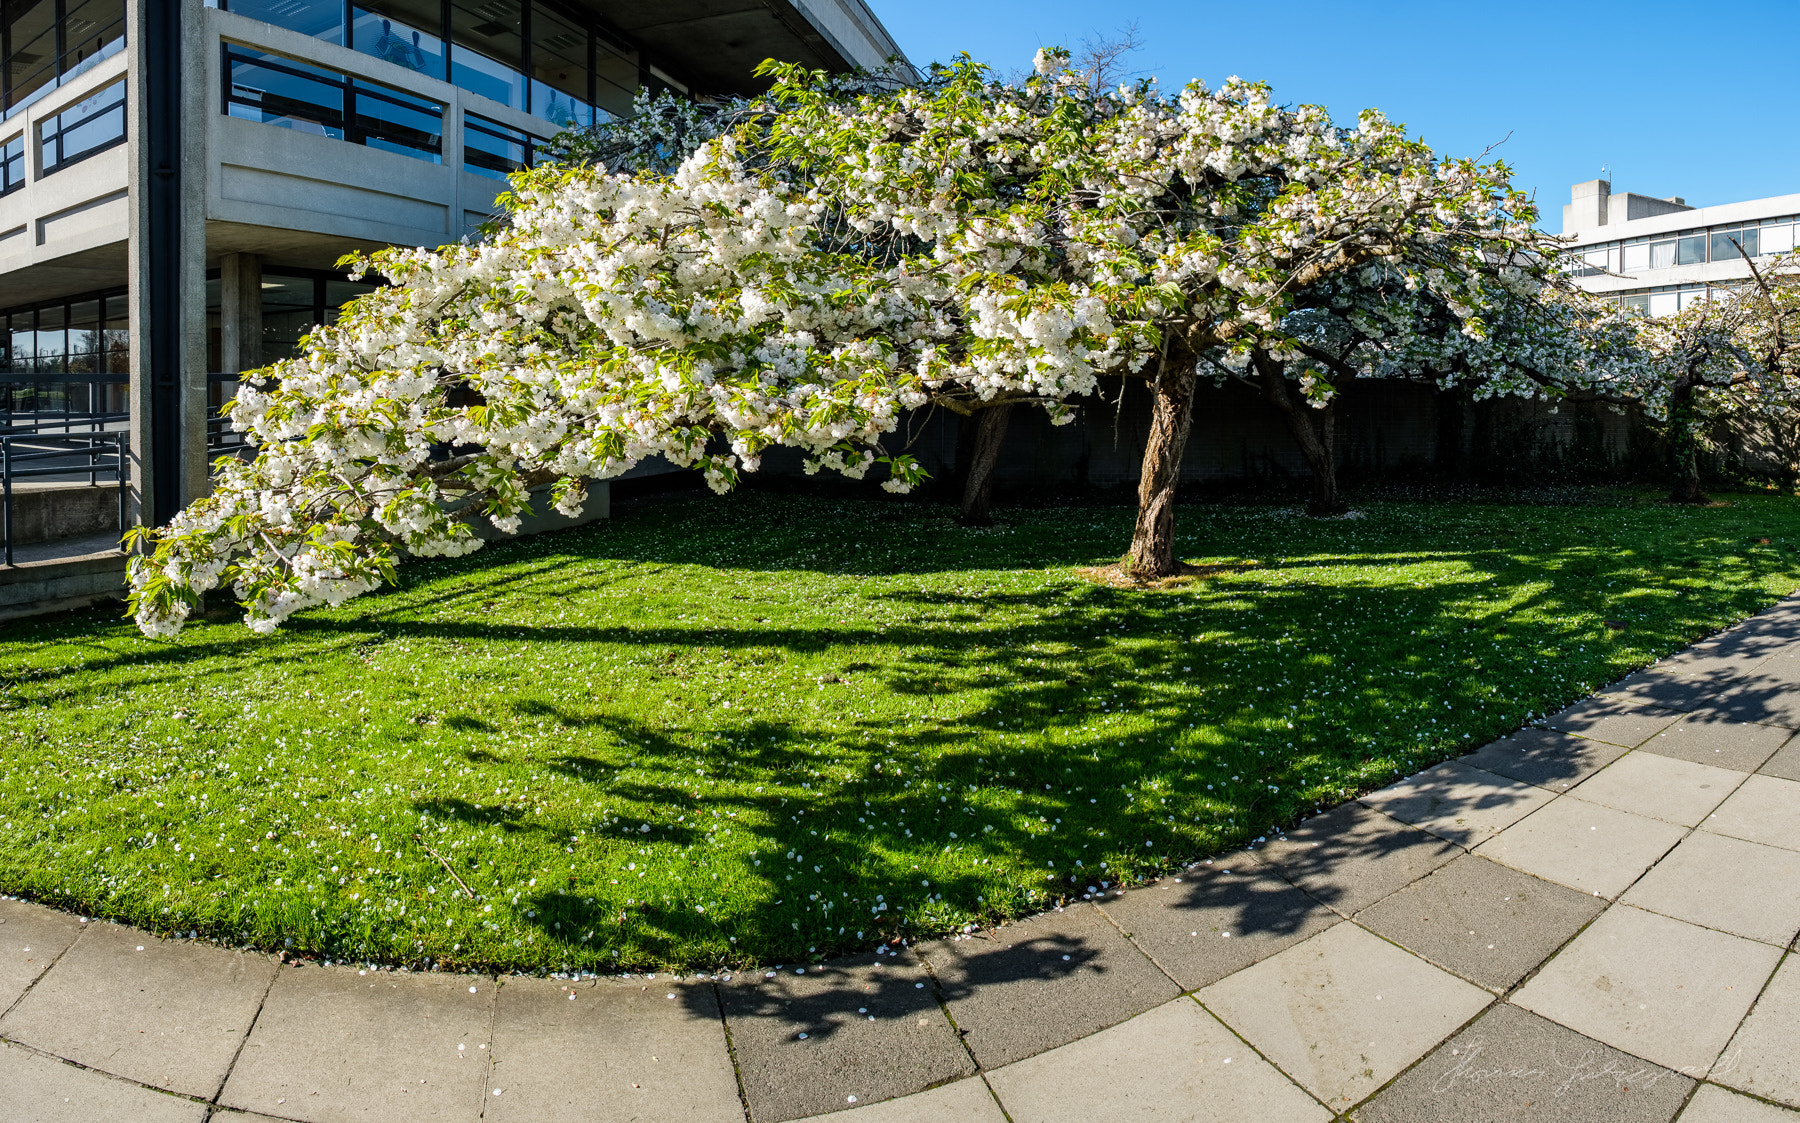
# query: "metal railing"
[[104, 457]]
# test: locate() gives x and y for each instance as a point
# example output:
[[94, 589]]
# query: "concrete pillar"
[[240, 312], [167, 256]]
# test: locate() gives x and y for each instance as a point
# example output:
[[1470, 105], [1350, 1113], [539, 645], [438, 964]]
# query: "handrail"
[[92, 447]]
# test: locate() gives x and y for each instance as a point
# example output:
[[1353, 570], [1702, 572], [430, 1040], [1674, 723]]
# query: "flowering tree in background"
[[838, 256]]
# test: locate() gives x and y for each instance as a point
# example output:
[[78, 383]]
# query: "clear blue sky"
[[1700, 101]]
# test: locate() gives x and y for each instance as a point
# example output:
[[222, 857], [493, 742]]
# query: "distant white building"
[[1660, 255]]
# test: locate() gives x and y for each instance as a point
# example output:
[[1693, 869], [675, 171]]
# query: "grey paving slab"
[[31, 937], [1544, 757], [1583, 845], [1668, 688], [1713, 1104], [1764, 809], [1661, 989], [332, 1044], [1706, 739], [1740, 887], [1481, 920], [1764, 1055], [961, 1101], [1660, 787], [1344, 1012], [1785, 763], [1173, 1062], [1458, 803], [228, 1116], [805, 1043], [37, 1089], [170, 1015], [610, 1050], [1613, 720], [1759, 698], [1352, 856], [1513, 1065], [1043, 982], [1208, 921]]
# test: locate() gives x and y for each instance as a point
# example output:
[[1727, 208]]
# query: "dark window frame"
[[53, 139], [357, 128]]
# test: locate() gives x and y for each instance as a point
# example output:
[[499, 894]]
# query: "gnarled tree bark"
[[984, 459], [1152, 553], [1315, 431], [1684, 444]]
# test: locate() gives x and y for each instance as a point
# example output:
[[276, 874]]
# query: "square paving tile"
[[1666, 687], [1660, 787], [1343, 1012], [1352, 856], [1661, 989], [962, 1101], [595, 1050], [1612, 720], [1744, 888], [1458, 803], [1713, 1104], [1764, 1056], [1175, 1062], [1765, 809], [40, 1090], [1512, 1065], [1583, 845], [805, 1043], [1211, 920], [1043, 982], [31, 937], [1485, 922], [1785, 763], [1703, 739], [1758, 698], [338, 1045], [171, 1015], [1544, 757]]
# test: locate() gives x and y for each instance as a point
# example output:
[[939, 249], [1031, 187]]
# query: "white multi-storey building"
[[1660, 255]]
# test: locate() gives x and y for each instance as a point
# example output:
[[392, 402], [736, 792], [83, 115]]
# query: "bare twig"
[[460, 884]]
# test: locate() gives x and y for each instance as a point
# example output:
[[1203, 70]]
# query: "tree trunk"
[[1152, 553], [1684, 442], [984, 458], [1314, 430]]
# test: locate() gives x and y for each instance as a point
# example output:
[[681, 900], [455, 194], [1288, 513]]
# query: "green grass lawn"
[[766, 728]]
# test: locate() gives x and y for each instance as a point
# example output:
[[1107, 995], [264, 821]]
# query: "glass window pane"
[[1664, 304], [1691, 250], [1691, 297], [1637, 257], [1776, 239], [389, 121], [559, 69], [1638, 302], [31, 65], [407, 33], [292, 95], [615, 79], [52, 339], [92, 30], [487, 50], [288, 313], [321, 19], [1662, 255]]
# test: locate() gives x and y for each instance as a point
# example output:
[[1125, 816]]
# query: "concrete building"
[[178, 178], [1660, 255]]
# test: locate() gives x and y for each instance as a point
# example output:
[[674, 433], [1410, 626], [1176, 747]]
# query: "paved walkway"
[[1593, 920]]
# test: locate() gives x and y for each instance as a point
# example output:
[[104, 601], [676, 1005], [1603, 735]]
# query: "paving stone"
[[1761, 699], [1175, 1062], [1352, 856], [170, 1016], [1483, 921], [962, 1101], [1785, 763], [1661, 989], [1612, 720], [1544, 757], [1043, 982], [1713, 1104], [1765, 809], [1705, 739], [1583, 845], [872, 1030], [1669, 689], [31, 937], [1457, 802], [1514, 1066], [243, 1117], [1660, 787], [339, 1045], [617, 1050], [1344, 1012], [1211, 920], [1764, 1055], [1744, 888], [41, 1090]]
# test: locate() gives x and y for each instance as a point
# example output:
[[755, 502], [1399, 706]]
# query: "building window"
[[310, 99], [493, 149], [90, 126], [489, 50], [12, 165], [1637, 256], [52, 41], [1725, 243], [1636, 302], [296, 301], [403, 32], [321, 19], [44, 347], [1691, 250]]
